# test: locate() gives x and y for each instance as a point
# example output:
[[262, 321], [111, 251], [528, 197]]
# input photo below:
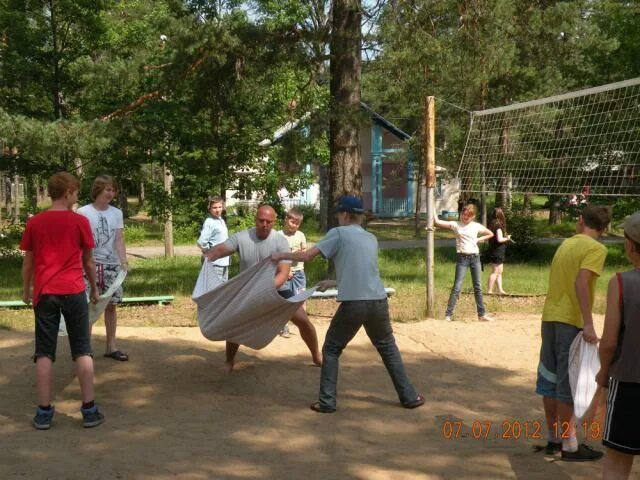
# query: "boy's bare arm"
[[282, 274], [325, 284], [27, 275], [584, 301], [609, 341], [89, 266], [120, 248], [302, 256]]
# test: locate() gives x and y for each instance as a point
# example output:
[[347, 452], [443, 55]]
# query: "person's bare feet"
[[227, 368]]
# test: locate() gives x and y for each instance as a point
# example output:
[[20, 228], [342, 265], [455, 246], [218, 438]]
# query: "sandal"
[[316, 407], [418, 402], [117, 355]]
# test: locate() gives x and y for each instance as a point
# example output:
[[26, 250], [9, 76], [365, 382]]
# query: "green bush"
[[521, 226], [240, 217], [10, 236], [134, 234], [623, 207], [186, 233]]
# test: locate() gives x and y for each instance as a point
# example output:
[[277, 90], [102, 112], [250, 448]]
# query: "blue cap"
[[350, 204]]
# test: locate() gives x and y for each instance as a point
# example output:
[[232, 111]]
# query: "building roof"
[[383, 122], [375, 117]]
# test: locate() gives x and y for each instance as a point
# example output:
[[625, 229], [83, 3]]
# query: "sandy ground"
[[171, 413]]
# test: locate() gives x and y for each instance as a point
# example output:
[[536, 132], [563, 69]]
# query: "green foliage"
[[624, 207], [521, 227], [134, 234], [186, 233], [240, 217], [10, 236]]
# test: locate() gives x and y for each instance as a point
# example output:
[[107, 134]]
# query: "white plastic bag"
[[96, 309], [584, 364]]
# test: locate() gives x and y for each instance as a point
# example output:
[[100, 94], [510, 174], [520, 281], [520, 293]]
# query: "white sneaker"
[[448, 319], [485, 318]]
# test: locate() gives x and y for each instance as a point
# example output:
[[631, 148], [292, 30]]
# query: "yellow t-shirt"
[[574, 254]]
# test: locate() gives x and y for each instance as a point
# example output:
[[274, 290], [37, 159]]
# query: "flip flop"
[[418, 402], [117, 355], [316, 407]]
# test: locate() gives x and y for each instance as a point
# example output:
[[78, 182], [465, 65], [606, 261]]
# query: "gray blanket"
[[247, 309]]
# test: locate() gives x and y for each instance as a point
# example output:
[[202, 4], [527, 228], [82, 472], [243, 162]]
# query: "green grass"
[[403, 270]]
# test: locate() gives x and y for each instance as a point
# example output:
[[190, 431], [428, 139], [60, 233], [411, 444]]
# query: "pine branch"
[[138, 102]]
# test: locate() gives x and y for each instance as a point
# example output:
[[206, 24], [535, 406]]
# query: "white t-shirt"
[[467, 237], [104, 224]]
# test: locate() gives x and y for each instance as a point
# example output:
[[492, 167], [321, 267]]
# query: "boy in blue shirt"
[[363, 303]]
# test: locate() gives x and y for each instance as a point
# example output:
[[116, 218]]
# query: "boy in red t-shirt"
[[58, 246]]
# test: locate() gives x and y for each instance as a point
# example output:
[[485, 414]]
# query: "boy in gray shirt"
[[363, 303]]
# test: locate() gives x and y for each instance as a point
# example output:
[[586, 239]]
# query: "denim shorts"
[[298, 281], [553, 368], [76, 315]]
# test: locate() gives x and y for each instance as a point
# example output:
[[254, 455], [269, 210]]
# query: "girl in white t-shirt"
[[468, 257]]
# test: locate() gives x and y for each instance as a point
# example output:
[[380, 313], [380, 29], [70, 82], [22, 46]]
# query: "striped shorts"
[[622, 422]]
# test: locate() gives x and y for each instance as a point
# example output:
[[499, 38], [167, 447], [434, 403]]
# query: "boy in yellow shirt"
[[576, 266]]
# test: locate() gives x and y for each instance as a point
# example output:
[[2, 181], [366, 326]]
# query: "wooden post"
[[429, 155], [168, 223]]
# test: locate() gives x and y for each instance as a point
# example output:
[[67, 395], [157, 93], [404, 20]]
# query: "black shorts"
[[76, 315], [622, 422]]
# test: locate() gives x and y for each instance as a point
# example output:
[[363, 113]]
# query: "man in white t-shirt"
[[107, 226], [254, 245]]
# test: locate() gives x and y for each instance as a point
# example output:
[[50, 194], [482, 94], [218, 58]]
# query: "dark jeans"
[[463, 263], [76, 315], [374, 315]]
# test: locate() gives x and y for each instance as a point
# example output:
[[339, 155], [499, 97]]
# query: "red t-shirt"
[[56, 238]]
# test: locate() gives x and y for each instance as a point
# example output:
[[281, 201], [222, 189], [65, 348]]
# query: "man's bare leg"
[[308, 334], [231, 350]]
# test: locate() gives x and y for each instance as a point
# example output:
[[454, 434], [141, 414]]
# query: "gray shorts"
[[553, 368]]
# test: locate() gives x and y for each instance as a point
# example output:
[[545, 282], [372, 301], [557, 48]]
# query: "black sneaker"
[[42, 420], [91, 417], [552, 448], [584, 454]]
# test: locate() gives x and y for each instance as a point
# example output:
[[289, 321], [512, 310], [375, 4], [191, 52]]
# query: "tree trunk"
[[555, 214], [31, 193], [168, 223], [122, 201], [56, 90], [141, 196], [324, 197], [16, 198], [344, 133]]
